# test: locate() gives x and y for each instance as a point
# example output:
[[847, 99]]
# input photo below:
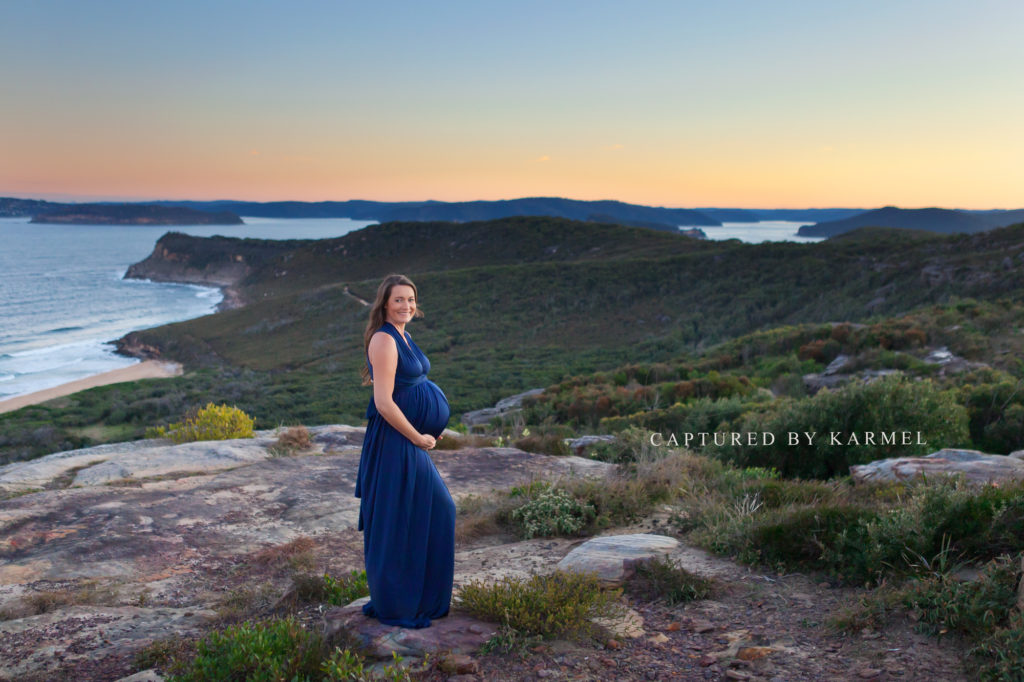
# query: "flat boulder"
[[505, 406], [975, 467], [613, 558], [457, 633], [579, 446]]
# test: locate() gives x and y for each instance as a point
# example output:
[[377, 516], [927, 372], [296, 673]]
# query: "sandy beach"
[[149, 369]]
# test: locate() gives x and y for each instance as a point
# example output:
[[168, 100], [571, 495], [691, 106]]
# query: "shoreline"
[[147, 369]]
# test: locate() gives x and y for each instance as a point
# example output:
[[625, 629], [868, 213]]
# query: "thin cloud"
[[542, 159]]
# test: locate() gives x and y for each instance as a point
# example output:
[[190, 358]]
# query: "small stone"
[[705, 661], [658, 638], [737, 675], [753, 653], [701, 626], [673, 627], [609, 662], [868, 673], [613, 644], [543, 672], [459, 664]]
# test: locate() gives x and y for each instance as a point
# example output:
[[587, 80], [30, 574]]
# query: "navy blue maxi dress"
[[406, 512]]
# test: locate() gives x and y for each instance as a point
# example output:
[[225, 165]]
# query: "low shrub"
[[509, 640], [629, 494], [347, 665], [213, 422], [298, 554], [828, 537], [888, 405], [559, 604], [481, 515], [1002, 653], [982, 610], [291, 440], [659, 579], [269, 651], [970, 607], [550, 443], [777, 493], [345, 590], [337, 591], [552, 512]]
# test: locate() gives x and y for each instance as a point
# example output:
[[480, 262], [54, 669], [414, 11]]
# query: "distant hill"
[[617, 212], [945, 221], [1000, 218], [133, 214], [754, 215], [18, 208], [355, 209], [266, 269], [601, 211], [466, 211]]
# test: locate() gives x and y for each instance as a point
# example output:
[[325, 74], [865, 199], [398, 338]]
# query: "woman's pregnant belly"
[[425, 406]]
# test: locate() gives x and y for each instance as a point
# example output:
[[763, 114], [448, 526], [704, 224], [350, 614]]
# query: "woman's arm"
[[384, 357]]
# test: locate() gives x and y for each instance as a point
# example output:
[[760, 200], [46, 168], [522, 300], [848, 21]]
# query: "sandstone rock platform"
[[164, 533]]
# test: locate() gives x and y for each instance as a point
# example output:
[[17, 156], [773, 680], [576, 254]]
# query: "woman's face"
[[401, 305]]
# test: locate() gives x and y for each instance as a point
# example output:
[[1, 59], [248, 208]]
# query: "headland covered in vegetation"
[[635, 332], [520, 303]]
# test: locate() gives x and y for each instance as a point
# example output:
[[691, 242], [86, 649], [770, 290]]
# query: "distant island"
[[133, 214], [616, 212], [941, 220], [828, 222]]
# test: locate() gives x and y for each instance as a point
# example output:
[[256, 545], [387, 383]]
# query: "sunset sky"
[[742, 103]]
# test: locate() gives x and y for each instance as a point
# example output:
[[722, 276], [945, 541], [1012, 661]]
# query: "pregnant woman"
[[405, 512]]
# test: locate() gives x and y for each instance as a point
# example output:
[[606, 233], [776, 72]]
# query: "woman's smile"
[[401, 307]]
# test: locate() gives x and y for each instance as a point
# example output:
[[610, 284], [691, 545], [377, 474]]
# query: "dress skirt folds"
[[406, 512]]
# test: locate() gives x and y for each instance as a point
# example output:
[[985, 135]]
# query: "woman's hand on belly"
[[426, 441], [383, 356]]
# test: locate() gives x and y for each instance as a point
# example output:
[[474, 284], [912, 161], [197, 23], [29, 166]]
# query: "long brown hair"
[[377, 314]]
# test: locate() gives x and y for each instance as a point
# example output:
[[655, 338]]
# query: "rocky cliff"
[[212, 261]]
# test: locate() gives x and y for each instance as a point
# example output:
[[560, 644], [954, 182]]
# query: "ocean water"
[[63, 299]]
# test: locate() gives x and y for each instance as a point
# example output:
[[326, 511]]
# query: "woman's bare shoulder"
[[381, 340]]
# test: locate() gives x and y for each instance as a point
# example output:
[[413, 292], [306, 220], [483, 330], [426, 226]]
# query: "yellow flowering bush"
[[213, 422]]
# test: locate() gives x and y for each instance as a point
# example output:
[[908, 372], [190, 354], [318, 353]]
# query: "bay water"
[[63, 299]]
